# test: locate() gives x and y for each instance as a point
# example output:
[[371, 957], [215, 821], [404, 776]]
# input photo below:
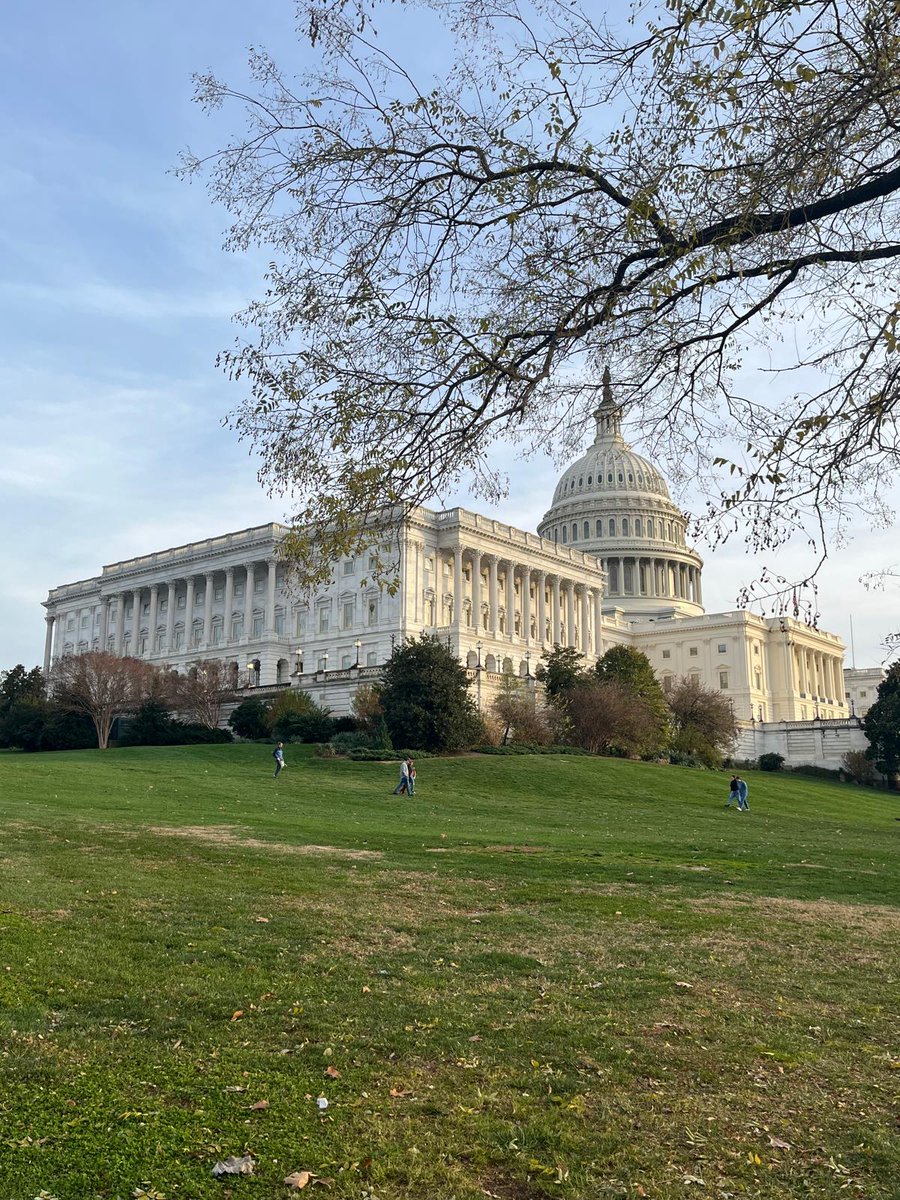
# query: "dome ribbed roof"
[[610, 468]]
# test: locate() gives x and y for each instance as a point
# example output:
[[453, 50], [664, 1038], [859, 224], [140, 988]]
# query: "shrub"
[[859, 766], [424, 694], [771, 762], [250, 720], [342, 742], [33, 725], [814, 772], [314, 726]]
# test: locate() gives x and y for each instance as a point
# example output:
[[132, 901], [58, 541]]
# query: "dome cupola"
[[616, 504]]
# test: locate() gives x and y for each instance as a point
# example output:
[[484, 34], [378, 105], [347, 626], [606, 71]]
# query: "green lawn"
[[542, 976]]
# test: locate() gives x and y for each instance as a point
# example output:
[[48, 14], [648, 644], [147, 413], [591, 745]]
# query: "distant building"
[[861, 688], [610, 564]]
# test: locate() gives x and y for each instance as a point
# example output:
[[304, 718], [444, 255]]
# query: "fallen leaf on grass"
[[262, 920], [693, 1179], [297, 1180], [235, 1087], [398, 1092], [234, 1166], [778, 1144], [259, 1106], [236, 1016], [332, 1073], [680, 983]]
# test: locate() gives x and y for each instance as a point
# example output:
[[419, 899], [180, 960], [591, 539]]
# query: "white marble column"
[[248, 599], [598, 622], [104, 623], [585, 621], [457, 587], [570, 613], [189, 612], [526, 603], [541, 588], [206, 641], [493, 602], [510, 599], [170, 616], [476, 590], [120, 624], [154, 616], [229, 604], [48, 642], [136, 623], [556, 620], [270, 597]]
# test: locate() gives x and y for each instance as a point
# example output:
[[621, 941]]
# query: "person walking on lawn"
[[278, 755], [403, 785], [734, 792], [743, 790]]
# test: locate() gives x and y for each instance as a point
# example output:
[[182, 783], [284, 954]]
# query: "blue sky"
[[115, 297]]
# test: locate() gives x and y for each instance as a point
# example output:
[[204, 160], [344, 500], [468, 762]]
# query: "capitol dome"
[[616, 504]]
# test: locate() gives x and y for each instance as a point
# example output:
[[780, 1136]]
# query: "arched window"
[[587, 530], [638, 527], [609, 477], [574, 532], [599, 529], [612, 526], [650, 530], [565, 534], [590, 480], [624, 527]]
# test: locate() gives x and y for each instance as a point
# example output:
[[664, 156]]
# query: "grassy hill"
[[539, 977]]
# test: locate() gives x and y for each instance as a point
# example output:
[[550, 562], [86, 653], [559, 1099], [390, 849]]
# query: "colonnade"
[[635, 575], [197, 631], [508, 600], [819, 676]]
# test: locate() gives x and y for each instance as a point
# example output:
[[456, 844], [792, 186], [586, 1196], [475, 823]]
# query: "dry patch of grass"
[[224, 835]]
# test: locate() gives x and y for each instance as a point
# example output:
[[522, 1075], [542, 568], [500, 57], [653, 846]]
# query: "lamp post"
[[324, 661], [358, 645], [298, 663], [251, 671], [478, 648], [527, 664]]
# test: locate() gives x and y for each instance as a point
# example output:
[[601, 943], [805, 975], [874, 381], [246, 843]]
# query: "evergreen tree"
[[424, 695], [559, 670], [17, 685], [250, 720], [882, 727]]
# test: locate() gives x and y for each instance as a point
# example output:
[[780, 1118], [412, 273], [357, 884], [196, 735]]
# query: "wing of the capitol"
[[609, 565]]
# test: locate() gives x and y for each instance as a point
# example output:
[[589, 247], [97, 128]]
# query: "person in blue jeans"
[[278, 755], [734, 792], [743, 790]]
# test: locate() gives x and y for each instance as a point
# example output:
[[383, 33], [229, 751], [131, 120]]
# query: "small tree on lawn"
[[882, 727], [200, 694], [519, 716], [632, 670], [703, 723], [559, 670], [605, 716], [424, 694], [17, 685], [101, 685]]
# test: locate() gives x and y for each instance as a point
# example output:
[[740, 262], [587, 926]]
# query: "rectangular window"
[[238, 590], [179, 639], [372, 612], [219, 592], [756, 648], [143, 643], [84, 621], [161, 640], [70, 622], [163, 606], [257, 625], [757, 678], [237, 628], [667, 683], [693, 651], [667, 653], [301, 624], [259, 586], [345, 662], [723, 648], [323, 620], [199, 598], [372, 659], [182, 600], [429, 564], [723, 680], [348, 566], [217, 635], [347, 617], [279, 622], [145, 609], [196, 635], [373, 562]]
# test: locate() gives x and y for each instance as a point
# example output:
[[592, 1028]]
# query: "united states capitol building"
[[609, 564]]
